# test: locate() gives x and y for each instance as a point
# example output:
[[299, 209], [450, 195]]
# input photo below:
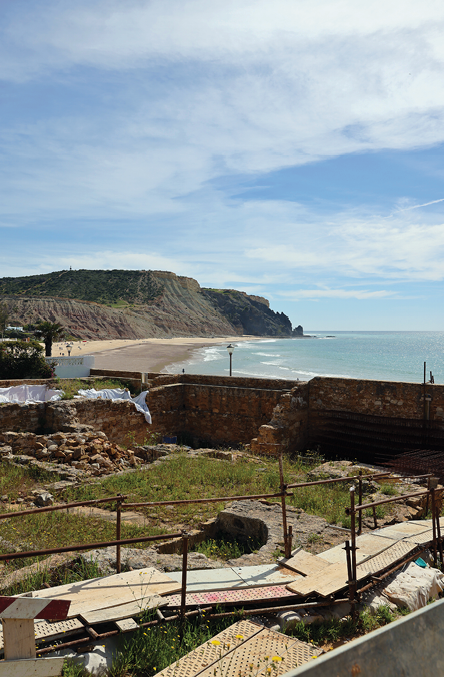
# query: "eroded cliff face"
[[146, 304]]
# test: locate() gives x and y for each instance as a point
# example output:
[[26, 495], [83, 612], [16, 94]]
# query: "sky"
[[291, 149]]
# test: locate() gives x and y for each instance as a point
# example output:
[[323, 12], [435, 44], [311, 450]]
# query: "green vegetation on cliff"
[[109, 287]]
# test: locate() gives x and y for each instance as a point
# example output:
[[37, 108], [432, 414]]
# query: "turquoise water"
[[385, 355]]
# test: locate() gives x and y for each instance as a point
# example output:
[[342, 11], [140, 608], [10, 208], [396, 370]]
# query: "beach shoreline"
[[151, 355]]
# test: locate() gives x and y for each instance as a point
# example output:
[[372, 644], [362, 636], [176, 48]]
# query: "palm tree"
[[49, 332]]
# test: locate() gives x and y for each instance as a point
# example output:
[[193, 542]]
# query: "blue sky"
[[287, 148]]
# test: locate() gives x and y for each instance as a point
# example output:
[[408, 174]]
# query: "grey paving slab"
[[204, 580], [265, 574], [403, 530]]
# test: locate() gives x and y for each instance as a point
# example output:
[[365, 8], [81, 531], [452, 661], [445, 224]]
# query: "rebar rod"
[[118, 533], [283, 507], [184, 575]]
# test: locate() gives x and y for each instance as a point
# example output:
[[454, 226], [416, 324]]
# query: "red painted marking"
[[57, 610]]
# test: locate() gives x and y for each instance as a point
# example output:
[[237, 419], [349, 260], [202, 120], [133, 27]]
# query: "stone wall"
[[378, 398], [215, 415], [339, 415]]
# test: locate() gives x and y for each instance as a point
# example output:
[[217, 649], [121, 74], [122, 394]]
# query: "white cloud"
[[361, 294]]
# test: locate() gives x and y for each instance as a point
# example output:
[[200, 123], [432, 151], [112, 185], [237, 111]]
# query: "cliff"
[[98, 304]]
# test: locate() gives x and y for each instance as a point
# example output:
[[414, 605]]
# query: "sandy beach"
[[145, 355]]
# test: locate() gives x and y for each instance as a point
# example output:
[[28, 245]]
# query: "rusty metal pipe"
[[184, 575], [338, 479], [390, 500], [87, 546], [287, 554], [353, 582], [360, 503], [51, 508], [118, 533], [205, 500], [433, 520], [288, 607]]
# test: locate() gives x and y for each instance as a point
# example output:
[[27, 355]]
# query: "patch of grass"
[[150, 650], [224, 547], [72, 386], [389, 490], [14, 480], [314, 538], [37, 580], [58, 529], [334, 630], [181, 478]]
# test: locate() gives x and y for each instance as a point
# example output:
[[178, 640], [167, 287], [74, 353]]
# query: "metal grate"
[[246, 595], [251, 651], [387, 558], [209, 653]]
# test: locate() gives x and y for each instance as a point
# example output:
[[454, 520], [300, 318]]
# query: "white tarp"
[[119, 394], [28, 394], [414, 586]]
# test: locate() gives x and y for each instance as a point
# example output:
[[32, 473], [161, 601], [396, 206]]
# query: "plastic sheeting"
[[29, 394], [119, 394]]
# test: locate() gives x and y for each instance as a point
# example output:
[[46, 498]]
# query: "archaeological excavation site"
[[183, 525]]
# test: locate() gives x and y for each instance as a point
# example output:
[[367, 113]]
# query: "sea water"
[[380, 355]]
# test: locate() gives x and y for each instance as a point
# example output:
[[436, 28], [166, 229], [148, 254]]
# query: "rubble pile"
[[90, 452]]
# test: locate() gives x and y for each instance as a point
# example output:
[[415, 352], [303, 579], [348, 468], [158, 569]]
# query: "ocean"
[[376, 355]]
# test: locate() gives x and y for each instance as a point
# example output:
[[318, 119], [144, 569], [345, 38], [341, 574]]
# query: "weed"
[[224, 547], [389, 490], [314, 538]]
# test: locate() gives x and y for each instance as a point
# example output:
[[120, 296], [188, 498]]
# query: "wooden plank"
[[120, 611], [38, 667], [367, 544], [110, 591], [333, 576], [19, 638], [304, 563], [126, 624]]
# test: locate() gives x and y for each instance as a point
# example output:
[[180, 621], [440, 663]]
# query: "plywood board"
[[333, 576], [367, 544], [305, 563], [120, 611], [101, 593], [265, 574]]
